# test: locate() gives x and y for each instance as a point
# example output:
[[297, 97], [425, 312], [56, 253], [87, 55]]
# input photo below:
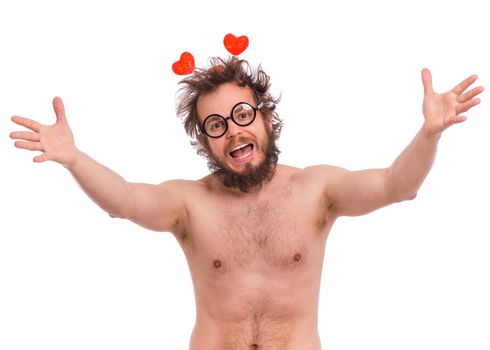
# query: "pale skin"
[[255, 258]]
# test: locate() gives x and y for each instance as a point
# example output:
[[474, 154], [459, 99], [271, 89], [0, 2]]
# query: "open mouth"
[[242, 151]]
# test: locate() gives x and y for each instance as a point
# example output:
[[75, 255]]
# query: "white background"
[[411, 276]]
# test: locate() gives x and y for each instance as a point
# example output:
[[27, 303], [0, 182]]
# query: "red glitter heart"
[[235, 45], [185, 65]]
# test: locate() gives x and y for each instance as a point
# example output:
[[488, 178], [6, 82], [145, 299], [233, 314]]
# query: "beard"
[[252, 177]]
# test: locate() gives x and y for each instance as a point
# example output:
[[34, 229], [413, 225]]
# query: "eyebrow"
[[214, 116], [240, 108]]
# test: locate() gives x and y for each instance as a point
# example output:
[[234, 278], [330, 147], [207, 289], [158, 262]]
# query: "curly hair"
[[205, 81]]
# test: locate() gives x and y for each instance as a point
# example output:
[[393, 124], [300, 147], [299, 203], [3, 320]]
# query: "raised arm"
[[359, 192], [158, 207]]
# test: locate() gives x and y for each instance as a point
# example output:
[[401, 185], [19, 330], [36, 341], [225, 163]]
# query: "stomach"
[[243, 316], [262, 332]]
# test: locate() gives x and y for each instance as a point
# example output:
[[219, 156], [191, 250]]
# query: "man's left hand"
[[443, 110]]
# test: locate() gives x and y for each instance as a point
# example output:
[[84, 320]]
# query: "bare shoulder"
[[163, 207], [351, 193], [320, 180], [183, 191], [320, 175], [183, 187], [315, 180]]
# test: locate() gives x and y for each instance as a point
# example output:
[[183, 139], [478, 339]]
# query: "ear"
[[200, 138], [268, 120]]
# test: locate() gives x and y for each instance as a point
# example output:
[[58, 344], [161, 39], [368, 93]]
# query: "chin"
[[247, 167]]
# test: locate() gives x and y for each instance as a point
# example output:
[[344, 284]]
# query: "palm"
[[55, 141], [443, 110], [439, 109]]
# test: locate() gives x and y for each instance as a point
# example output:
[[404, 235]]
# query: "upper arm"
[[158, 207], [353, 193]]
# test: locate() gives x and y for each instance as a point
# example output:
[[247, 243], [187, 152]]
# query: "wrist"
[[70, 165], [430, 134]]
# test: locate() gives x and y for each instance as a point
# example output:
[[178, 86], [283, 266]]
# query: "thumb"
[[427, 81], [59, 109]]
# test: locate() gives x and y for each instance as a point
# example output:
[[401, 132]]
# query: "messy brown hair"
[[207, 80]]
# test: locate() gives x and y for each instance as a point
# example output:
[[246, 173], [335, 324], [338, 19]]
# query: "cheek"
[[216, 147], [263, 135]]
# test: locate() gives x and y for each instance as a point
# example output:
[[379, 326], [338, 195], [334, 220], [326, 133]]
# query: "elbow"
[[411, 196], [407, 197], [115, 215], [119, 214], [402, 197], [123, 209], [400, 192]]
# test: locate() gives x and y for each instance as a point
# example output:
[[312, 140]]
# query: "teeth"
[[245, 155], [238, 147]]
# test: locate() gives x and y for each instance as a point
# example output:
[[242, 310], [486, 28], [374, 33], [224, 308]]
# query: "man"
[[253, 231]]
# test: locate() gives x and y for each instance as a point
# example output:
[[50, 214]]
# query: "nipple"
[[297, 257], [217, 263]]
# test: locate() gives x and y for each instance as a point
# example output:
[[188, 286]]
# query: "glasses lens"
[[215, 125], [243, 114]]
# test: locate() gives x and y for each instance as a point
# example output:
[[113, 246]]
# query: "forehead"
[[222, 100]]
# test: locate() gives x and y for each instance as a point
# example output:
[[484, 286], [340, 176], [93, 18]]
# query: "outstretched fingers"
[[470, 94], [31, 146], [463, 107], [25, 135], [457, 119], [28, 123], [59, 109], [461, 87], [427, 81], [41, 158]]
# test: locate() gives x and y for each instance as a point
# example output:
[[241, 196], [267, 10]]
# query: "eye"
[[243, 114], [216, 125]]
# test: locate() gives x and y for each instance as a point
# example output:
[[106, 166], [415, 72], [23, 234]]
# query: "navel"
[[297, 257], [254, 346], [217, 263]]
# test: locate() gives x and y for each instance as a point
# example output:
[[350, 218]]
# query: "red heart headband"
[[185, 65]]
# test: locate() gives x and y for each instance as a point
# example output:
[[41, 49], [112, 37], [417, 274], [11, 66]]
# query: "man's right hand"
[[54, 141]]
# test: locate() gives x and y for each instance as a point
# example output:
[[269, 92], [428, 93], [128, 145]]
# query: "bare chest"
[[281, 233]]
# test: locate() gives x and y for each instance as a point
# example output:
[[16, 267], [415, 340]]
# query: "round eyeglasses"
[[242, 114]]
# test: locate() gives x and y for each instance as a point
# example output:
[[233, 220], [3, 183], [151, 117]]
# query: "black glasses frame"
[[203, 130]]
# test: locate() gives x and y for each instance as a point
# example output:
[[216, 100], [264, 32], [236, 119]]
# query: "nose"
[[233, 128]]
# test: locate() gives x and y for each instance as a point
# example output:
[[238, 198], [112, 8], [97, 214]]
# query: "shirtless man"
[[253, 231]]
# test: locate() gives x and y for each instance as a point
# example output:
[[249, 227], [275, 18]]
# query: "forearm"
[[105, 187], [409, 170]]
